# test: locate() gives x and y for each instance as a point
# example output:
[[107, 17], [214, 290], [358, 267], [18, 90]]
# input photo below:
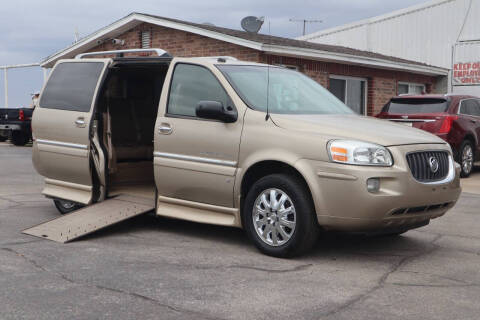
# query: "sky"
[[31, 30]]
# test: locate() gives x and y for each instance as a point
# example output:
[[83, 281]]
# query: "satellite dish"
[[252, 24]]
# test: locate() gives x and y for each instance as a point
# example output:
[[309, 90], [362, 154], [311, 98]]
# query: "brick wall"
[[381, 84], [180, 43]]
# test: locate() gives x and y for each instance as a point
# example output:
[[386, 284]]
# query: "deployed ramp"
[[90, 219]]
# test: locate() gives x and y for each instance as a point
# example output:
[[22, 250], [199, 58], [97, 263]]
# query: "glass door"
[[350, 91]]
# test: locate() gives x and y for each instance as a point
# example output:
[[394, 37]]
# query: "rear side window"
[[190, 85], [71, 86], [470, 107], [411, 106]]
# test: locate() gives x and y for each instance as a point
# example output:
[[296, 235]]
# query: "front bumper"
[[342, 201]]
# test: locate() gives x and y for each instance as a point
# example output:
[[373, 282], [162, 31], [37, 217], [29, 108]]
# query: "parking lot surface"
[[148, 268]]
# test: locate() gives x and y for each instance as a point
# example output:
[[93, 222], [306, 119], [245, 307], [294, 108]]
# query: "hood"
[[354, 127]]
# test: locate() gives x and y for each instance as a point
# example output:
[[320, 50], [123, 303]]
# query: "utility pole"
[[305, 21]]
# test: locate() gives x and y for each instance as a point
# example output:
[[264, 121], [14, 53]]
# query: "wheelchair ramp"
[[92, 218]]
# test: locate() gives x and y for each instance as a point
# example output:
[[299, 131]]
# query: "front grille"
[[419, 163]]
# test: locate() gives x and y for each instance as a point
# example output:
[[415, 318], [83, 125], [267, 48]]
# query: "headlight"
[[359, 153]]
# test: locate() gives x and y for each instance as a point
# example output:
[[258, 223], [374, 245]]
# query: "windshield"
[[290, 92], [410, 106]]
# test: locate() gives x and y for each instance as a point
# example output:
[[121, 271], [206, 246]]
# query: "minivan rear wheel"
[[279, 216], [466, 158], [66, 206]]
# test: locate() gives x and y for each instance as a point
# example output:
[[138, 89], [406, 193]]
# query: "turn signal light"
[[21, 115], [447, 124], [339, 154]]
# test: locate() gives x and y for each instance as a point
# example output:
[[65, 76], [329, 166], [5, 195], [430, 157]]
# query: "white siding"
[[424, 33]]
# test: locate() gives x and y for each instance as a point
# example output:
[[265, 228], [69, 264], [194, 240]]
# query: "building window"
[[410, 88], [351, 91]]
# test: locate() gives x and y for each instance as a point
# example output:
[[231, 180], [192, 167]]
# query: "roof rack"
[[159, 52], [221, 57]]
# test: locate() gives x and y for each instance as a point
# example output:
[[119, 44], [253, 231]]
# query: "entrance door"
[[62, 128], [195, 159]]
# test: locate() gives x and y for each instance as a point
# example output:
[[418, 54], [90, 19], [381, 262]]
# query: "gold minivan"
[[216, 140]]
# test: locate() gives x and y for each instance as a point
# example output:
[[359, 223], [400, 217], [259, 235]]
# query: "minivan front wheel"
[[65, 206], [279, 216], [466, 158]]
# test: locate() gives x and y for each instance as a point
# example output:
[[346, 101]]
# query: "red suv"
[[454, 118]]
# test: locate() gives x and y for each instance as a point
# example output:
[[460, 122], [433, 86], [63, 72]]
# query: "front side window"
[[71, 86], [190, 85], [470, 107], [281, 90]]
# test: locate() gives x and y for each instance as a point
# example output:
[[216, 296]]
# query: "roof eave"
[[355, 60], [131, 21], [135, 19]]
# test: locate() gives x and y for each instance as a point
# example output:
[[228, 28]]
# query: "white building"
[[442, 33]]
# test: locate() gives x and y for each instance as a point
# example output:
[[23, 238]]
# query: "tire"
[[65, 206], [466, 158], [19, 138], [299, 226], [3, 138]]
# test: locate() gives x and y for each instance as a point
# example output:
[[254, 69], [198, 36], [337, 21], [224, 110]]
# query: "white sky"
[[33, 29]]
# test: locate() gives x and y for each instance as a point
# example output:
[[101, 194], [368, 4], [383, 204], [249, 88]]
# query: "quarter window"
[[191, 84], [71, 86]]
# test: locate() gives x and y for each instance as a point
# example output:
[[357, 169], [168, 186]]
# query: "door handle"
[[80, 122], [165, 128]]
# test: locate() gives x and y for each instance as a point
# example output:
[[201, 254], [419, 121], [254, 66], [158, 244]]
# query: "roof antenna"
[[305, 21], [267, 116], [76, 34]]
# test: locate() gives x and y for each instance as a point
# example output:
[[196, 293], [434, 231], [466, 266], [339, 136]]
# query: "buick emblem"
[[433, 163]]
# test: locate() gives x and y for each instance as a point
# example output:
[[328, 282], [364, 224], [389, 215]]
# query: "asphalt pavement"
[[148, 268]]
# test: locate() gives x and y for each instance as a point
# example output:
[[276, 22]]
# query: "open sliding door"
[[62, 128]]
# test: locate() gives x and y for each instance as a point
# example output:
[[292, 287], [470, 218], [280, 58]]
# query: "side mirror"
[[216, 111]]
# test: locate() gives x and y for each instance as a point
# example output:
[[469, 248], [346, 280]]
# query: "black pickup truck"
[[15, 123]]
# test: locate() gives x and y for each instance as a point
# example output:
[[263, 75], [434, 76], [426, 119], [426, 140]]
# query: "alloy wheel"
[[274, 217], [467, 159]]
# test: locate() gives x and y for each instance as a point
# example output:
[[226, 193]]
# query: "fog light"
[[373, 185]]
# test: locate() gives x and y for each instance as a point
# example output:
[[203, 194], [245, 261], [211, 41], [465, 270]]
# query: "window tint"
[[411, 106], [470, 107], [477, 108], [71, 86], [191, 84]]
